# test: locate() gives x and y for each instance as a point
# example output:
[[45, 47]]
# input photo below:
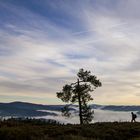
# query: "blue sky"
[[43, 44]]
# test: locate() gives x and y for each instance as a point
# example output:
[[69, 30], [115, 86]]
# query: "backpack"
[[135, 116]]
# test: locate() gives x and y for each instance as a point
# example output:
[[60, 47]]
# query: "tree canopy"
[[78, 92]]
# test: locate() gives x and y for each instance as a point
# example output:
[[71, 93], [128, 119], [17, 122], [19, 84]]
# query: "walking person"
[[134, 116]]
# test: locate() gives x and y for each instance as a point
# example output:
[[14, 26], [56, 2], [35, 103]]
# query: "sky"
[[44, 43]]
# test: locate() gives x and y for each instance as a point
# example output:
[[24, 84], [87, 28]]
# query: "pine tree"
[[78, 92]]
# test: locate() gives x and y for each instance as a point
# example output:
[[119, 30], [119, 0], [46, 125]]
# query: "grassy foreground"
[[39, 130]]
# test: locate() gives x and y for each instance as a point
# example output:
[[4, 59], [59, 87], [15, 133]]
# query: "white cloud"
[[42, 56]]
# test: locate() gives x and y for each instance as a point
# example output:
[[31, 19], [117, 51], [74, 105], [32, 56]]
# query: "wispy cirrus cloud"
[[43, 44]]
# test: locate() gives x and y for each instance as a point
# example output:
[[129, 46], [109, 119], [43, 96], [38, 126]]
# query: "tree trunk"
[[79, 101]]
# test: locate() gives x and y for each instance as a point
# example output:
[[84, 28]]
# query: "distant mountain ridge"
[[25, 109], [117, 107]]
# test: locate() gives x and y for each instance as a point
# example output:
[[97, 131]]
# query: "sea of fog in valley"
[[102, 113], [99, 116]]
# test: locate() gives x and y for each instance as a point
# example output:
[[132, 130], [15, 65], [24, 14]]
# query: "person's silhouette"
[[134, 116]]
